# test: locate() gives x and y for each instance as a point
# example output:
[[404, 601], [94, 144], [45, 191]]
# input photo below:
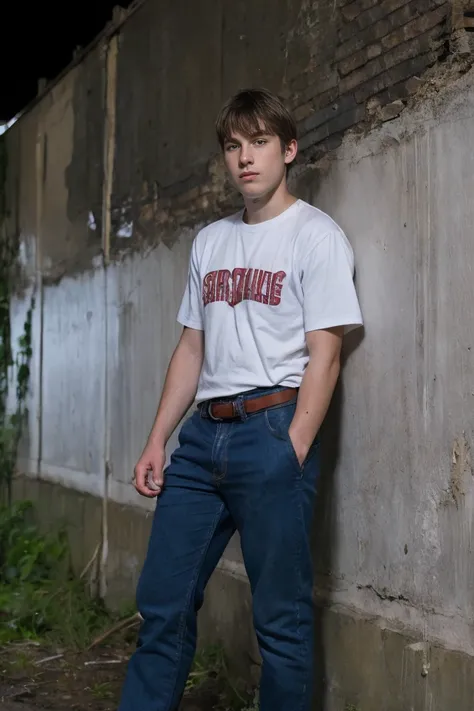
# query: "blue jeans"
[[244, 475]]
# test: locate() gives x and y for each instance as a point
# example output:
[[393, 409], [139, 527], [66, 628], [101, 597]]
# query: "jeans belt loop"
[[239, 408]]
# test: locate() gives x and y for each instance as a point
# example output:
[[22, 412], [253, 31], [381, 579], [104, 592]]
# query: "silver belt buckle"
[[235, 412], [209, 412]]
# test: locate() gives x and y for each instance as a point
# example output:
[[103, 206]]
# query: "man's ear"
[[290, 151]]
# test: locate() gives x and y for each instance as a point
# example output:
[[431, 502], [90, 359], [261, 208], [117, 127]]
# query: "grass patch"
[[102, 690], [210, 669], [40, 599], [43, 604]]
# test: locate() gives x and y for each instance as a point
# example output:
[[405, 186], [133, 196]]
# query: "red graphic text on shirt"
[[243, 284]]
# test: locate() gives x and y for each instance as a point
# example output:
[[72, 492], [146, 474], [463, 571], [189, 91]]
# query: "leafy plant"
[[3, 179], [254, 704], [102, 690], [39, 596], [11, 421]]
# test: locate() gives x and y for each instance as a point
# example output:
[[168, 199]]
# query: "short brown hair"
[[246, 111]]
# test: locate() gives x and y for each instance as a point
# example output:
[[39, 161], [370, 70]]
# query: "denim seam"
[[220, 445], [215, 448], [225, 461], [192, 589], [303, 644]]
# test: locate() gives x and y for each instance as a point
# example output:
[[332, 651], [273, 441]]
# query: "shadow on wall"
[[325, 530], [306, 184]]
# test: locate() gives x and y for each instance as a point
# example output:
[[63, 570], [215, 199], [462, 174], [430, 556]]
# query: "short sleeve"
[[329, 295], [190, 312]]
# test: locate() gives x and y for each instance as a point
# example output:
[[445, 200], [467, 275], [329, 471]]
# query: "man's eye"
[[231, 147], [260, 141]]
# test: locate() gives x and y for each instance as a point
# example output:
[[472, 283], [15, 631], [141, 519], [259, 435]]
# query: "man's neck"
[[268, 207]]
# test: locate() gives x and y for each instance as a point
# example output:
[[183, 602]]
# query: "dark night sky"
[[37, 42]]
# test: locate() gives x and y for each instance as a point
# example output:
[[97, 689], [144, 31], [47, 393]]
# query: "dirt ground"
[[33, 678]]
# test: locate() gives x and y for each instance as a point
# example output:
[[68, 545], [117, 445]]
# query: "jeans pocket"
[[278, 421]]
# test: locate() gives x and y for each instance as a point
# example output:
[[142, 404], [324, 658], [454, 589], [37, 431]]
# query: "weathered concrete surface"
[[403, 485], [362, 662], [80, 515], [54, 184], [69, 170]]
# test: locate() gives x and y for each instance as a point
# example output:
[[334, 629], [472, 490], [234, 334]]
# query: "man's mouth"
[[247, 175]]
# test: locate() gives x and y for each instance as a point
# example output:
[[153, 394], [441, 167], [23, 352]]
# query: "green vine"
[[3, 179], [12, 418]]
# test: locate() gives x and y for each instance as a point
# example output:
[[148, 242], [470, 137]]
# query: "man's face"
[[257, 164]]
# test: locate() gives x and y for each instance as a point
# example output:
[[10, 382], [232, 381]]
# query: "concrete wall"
[[111, 173], [393, 539]]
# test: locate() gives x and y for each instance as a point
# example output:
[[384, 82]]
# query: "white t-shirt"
[[256, 289]]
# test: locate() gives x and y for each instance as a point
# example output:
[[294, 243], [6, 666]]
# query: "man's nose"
[[245, 157]]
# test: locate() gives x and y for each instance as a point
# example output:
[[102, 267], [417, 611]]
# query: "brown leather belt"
[[228, 410]]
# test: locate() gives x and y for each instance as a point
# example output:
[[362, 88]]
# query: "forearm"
[[314, 397], [179, 390]]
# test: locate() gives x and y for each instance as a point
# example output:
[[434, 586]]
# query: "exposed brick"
[[393, 93], [370, 17], [302, 112], [405, 51], [413, 84], [359, 59], [457, 15], [325, 84], [397, 74], [407, 87], [373, 15], [337, 124], [416, 27], [316, 102], [402, 34], [326, 98], [383, 27], [317, 151], [395, 41], [317, 118], [320, 101], [350, 12], [310, 84], [392, 110]]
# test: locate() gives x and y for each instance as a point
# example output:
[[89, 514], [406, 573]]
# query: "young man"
[[269, 296]]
